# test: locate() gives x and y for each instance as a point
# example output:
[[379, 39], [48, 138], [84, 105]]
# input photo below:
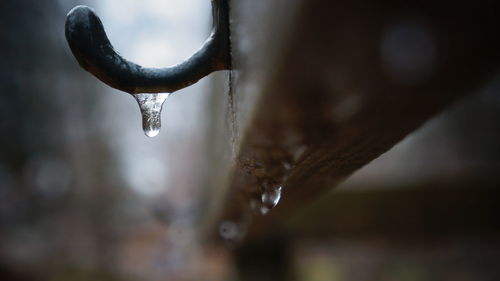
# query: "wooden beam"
[[321, 88]]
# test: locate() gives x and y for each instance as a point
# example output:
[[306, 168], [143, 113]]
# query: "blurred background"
[[85, 195]]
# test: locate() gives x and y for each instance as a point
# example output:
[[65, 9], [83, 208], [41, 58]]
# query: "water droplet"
[[255, 205], [151, 105], [271, 197], [409, 51], [229, 230], [258, 208], [48, 177], [298, 152], [347, 108], [287, 165], [263, 210]]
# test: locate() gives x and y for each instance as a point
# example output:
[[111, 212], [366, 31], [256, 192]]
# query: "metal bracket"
[[93, 51]]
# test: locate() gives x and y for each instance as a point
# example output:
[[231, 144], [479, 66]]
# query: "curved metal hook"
[[91, 47]]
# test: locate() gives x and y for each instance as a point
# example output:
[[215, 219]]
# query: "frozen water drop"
[[264, 210], [255, 205], [151, 105], [258, 207], [229, 230], [271, 197], [298, 152], [287, 165]]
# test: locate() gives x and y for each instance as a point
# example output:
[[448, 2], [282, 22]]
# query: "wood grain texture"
[[324, 87]]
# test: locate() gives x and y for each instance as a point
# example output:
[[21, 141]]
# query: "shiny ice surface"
[[151, 106]]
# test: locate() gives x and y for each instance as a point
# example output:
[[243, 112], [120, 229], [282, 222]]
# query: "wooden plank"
[[322, 88]]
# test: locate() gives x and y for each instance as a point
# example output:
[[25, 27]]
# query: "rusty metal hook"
[[93, 51]]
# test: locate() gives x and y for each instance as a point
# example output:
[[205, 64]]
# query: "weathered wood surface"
[[322, 88]]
